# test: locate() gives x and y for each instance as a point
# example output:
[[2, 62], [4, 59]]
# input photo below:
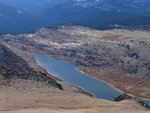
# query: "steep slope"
[[8, 77], [11, 60]]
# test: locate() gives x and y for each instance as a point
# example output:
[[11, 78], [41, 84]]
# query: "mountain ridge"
[[99, 14], [14, 20], [107, 5]]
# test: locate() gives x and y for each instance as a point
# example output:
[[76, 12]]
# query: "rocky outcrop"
[[11, 60], [7, 75], [129, 97]]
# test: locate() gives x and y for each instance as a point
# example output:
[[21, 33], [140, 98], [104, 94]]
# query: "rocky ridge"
[[130, 97], [11, 60], [7, 75]]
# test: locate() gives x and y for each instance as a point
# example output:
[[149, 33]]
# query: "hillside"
[[36, 92], [8, 76], [11, 60], [74, 56], [28, 92], [33, 91], [26, 70], [119, 57]]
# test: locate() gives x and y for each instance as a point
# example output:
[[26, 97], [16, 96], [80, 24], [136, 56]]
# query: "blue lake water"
[[67, 72], [147, 101]]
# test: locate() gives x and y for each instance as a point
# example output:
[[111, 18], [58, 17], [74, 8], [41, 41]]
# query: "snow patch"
[[19, 11]]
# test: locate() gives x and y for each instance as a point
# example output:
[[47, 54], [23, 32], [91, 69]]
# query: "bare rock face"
[[11, 60]]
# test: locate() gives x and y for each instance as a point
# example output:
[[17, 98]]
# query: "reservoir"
[[69, 73]]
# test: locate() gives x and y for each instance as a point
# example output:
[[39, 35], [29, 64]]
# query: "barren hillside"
[[120, 57]]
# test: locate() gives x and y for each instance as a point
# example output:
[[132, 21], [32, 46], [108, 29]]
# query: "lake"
[[69, 73]]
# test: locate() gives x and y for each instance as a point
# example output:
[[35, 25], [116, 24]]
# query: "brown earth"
[[33, 97]]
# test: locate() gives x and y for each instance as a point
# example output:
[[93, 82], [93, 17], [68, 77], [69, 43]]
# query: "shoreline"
[[113, 86], [101, 80], [37, 67], [92, 95], [76, 68], [77, 88], [109, 83], [144, 99]]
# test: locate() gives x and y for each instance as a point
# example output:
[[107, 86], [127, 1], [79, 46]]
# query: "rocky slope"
[[11, 60], [8, 75], [120, 57], [131, 97]]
